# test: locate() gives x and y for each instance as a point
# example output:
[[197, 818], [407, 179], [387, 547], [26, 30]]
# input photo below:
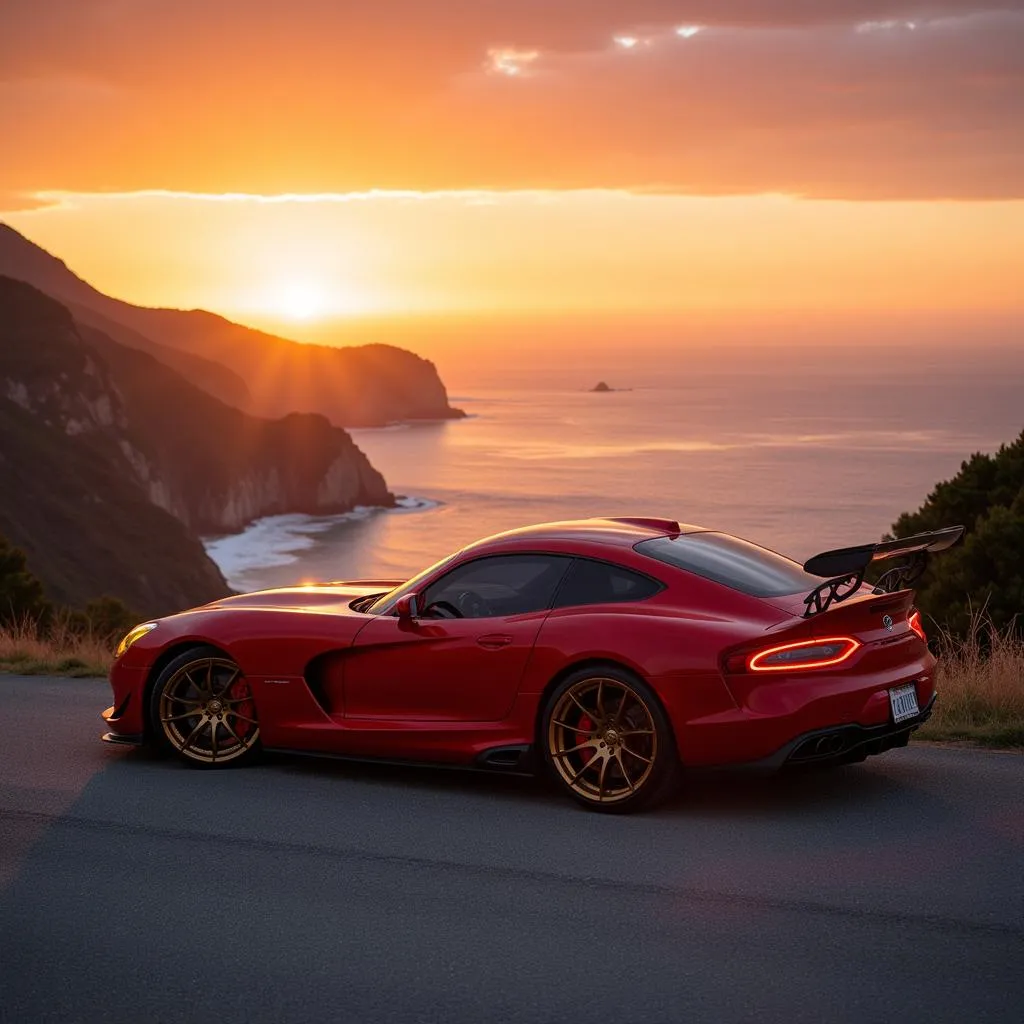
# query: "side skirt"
[[524, 765]]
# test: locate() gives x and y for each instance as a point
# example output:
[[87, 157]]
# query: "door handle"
[[494, 641]]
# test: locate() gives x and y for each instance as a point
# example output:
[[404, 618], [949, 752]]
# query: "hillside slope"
[[68, 496], [213, 377], [364, 385], [111, 463]]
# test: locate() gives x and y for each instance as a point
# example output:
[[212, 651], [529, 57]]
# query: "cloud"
[[709, 96], [936, 110], [19, 202]]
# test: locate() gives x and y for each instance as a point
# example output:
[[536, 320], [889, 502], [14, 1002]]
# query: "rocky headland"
[[112, 463]]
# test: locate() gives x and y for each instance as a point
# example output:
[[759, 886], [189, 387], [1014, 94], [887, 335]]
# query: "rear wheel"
[[202, 708], [607, 742]]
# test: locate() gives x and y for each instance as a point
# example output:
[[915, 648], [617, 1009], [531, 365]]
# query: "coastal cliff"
[[259, 373], [216, 468], [112, 464]]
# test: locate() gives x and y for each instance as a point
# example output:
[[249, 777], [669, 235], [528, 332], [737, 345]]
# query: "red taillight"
[[914, 622], [803, 655]]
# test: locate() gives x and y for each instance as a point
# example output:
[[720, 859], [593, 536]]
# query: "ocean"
[[799, 454]]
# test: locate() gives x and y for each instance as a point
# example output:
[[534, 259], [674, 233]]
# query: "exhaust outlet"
[[820, 747], [826, 745]]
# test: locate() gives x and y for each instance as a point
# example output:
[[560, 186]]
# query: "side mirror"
[[407, 607]]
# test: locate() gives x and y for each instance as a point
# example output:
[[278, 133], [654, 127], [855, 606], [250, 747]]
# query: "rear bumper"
[[843, 744], [771, 717]]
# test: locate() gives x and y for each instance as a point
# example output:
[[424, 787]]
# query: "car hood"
[[320, 597]]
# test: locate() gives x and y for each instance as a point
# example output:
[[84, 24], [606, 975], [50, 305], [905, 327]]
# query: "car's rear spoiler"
[[846, 567]]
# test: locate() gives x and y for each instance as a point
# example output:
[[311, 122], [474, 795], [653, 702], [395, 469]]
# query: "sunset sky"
[[293, 163]]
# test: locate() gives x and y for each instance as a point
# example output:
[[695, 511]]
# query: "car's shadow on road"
[[787, 792], [705, 794]]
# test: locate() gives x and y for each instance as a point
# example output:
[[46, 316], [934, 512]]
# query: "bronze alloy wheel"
[[206, 711], [602, 740]]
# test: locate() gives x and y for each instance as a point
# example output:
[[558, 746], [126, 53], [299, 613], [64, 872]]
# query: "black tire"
[[607, 742], [199, 698]]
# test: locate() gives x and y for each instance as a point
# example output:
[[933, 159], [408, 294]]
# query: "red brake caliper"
[[581, 737], [242, 727]]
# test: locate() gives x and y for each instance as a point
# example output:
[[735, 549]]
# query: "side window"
[[500, 585], [591, 582]]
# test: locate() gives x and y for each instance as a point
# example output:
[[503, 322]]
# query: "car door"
[[455, 669]]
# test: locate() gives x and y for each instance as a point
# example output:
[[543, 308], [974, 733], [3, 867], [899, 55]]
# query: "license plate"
[[904, 702]]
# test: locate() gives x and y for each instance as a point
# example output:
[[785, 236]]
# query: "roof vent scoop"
[[650, 522]]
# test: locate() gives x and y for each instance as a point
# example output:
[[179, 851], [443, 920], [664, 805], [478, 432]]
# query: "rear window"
[[736, 563]]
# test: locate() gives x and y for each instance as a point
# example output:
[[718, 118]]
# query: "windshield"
[[736, 563], [387, 601]]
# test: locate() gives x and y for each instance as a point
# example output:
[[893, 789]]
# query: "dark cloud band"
[[858, 98]]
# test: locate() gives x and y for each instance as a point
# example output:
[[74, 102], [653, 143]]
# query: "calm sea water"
[[797, 457]]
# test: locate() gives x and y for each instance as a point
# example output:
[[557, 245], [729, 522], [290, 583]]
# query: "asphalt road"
[[133, 889]]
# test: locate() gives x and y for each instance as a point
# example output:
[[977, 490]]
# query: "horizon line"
[[54, 199]]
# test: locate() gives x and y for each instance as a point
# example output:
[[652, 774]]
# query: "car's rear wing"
[[846, 567]]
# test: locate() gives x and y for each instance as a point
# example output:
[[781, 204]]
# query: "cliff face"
[[111, 463], [216, 468], [366, 385], [68, 495]]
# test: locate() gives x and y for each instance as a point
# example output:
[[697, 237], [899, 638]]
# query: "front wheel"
[[607, 742], [202, 708]]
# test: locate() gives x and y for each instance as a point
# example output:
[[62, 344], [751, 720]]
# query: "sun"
[[300, 300]]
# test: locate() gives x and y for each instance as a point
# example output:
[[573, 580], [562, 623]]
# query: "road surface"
[[134, 889]]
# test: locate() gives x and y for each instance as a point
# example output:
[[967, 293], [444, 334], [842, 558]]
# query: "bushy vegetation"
[[21, 594], [985, 574], [39, 637]]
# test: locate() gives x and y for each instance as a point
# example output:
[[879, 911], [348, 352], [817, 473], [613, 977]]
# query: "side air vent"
[[314, 676]]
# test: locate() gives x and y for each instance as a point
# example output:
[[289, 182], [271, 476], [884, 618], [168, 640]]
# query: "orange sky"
[[288, 262], [398, 158]]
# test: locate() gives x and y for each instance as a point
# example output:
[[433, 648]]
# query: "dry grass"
[[60, 652], [980, 683]]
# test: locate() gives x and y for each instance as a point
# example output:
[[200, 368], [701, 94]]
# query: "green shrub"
[[985, 574], [109, 618], [21, 594]]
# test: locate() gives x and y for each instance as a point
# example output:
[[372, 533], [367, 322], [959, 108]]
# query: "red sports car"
[[608, 652]]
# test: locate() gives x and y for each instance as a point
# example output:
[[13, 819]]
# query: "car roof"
[[602, 532]]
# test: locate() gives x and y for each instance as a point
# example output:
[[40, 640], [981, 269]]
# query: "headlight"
[[136, 634]]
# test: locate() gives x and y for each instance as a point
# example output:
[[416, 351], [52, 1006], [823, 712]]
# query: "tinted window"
[[736, 563], [387, 601], [501, 585], [600, 583]]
